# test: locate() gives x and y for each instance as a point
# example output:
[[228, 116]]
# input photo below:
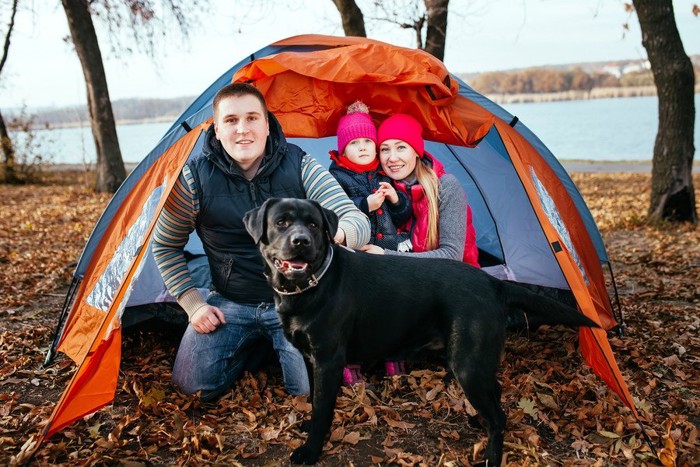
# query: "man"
[[245, 160]]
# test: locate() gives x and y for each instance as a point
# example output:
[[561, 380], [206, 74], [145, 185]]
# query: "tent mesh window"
[[102, 295], [555, 219]]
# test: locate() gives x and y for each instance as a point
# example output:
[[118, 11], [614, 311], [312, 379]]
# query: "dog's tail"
[[527, 309]]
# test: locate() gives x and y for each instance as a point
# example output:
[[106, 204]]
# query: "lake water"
[[620, 129]]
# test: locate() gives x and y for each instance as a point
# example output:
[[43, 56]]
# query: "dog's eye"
[[312, 225], [282, 223]]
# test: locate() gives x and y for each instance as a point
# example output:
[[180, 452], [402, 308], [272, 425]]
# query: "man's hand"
[[389, 192], [375, 200], [374, 249], [207, 319], [339, 237]]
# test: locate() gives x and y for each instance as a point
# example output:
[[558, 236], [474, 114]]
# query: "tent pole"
[[70, 296], [621, 332], [647, 438], [621, 327]]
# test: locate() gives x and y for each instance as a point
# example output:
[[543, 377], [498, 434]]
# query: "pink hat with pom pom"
[[355, 124]]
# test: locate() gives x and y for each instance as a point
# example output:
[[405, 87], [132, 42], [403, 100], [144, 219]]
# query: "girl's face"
[[361, 151], [398, 158]]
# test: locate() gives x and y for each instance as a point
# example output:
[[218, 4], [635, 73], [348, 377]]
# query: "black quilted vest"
[[225, 196]]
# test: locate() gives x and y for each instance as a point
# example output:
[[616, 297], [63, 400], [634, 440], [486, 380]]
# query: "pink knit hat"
[[355, 124], [405, 128]]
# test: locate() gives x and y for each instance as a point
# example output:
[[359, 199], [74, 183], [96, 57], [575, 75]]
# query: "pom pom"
[[358, 107]]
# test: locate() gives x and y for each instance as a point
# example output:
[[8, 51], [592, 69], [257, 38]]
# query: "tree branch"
[[10, 27]]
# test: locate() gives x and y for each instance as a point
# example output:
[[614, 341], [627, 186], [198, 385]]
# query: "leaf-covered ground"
[[559, 412]]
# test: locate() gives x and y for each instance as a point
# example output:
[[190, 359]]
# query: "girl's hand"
[[389, 192], [374, 249], [375, 200]]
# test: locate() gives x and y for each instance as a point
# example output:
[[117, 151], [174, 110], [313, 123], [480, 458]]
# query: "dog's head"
[[293, 235]]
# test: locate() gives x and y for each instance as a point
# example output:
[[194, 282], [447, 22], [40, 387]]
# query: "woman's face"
[[398, 158]]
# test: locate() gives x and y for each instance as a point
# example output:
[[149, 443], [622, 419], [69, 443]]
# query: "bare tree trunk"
[[436, 34], [110, 167], [672, 192], [353, 21], [8, 151]]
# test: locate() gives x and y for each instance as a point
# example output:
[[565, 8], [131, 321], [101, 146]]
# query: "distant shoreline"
[[86, 123], [571, 166], [595, 93]]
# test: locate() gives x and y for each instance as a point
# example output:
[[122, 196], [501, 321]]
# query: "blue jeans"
[[212, 362]]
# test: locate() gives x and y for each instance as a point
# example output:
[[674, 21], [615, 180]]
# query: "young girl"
[[355, 165]]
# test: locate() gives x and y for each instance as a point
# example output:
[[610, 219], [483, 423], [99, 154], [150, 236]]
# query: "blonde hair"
[[431, 188]]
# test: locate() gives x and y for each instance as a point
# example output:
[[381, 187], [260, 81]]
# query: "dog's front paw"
[[305, 455]]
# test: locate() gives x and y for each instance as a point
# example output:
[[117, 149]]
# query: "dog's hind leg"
[[475, 369], [327, 379]]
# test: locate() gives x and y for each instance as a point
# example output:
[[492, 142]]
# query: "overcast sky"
[[42, 69]]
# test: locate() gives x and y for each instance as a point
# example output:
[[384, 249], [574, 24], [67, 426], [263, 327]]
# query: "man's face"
[[241, 126]]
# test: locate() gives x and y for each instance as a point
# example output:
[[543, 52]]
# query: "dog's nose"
[[301, 239]]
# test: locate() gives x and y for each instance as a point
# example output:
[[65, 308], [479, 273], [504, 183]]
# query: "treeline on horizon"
[[546, 80], [125, 110], [579, 77]]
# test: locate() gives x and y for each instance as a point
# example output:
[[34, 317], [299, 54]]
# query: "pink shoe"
[[395, 368], [352, 375]]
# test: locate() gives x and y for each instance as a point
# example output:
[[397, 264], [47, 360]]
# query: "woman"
[[441, 226]]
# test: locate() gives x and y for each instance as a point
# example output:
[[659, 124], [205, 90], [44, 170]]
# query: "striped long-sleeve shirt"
[[179, 215]]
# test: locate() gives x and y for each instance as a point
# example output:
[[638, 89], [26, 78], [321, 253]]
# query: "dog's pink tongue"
[[293, 265]]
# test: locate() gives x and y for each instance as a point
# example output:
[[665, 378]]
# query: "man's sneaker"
[[394, 368], [352, 375]]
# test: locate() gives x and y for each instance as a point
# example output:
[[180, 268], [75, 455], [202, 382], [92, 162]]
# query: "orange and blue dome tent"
[[533, 226]]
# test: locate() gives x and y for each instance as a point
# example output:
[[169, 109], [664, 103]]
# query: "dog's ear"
[[255, 221], [330, 222]]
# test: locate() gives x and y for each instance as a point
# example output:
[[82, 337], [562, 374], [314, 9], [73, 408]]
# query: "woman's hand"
[[374, 249], [389, 192]]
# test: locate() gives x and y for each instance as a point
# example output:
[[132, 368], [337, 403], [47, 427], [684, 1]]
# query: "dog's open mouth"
[[291, 266]]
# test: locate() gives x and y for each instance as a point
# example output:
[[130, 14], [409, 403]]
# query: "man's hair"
[[236, 90]]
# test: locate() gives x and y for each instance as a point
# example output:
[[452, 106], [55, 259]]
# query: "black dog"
[[339, 306]]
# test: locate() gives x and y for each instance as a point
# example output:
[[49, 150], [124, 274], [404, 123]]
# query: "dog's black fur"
[[366, 307]]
